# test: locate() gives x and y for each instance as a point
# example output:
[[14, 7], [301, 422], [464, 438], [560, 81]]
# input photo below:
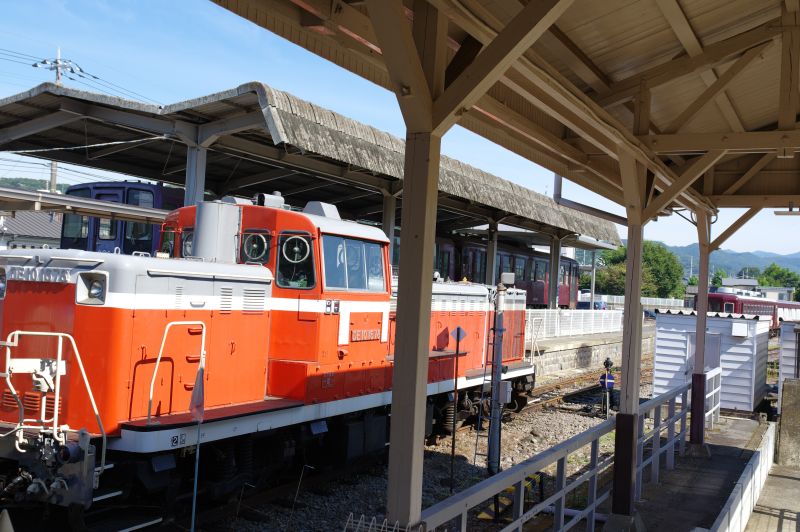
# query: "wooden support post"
[[625, 439], [697, 426], [415, 58]]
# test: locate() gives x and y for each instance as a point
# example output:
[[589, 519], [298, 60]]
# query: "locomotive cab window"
[[75, 228], [295, 261], [352, 264], [254, 246], [187, 239]]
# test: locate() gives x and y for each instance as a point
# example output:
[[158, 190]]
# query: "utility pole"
[[57, 65]]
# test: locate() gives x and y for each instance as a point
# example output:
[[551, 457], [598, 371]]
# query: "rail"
[[169, 326], [554, 323], [654, 410], [713, 396], [458, 506], [13, 341]]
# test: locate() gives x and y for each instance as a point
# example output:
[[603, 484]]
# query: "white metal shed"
[[735, 342], [789, 357]]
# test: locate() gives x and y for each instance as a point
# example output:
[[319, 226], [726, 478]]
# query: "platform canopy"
[[657, 105], [718, 77], [261, 140]]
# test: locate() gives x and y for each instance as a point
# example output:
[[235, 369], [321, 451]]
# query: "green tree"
[[666, 269], [611, 280], [749, 272], [662, 272], [719, 275], [693, 280], [585, 281], [774, 275]]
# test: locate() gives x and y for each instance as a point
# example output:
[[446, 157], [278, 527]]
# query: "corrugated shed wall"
[[743, 359], [788, 356]]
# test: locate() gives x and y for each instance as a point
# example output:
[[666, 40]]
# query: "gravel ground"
[[327, 506]]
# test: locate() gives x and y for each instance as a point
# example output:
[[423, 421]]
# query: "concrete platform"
[[693, 494], [778, 506]]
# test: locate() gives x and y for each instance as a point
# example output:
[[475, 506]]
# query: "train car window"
[[541, 270], [167, 242], [375, 269], [187, 239], [519, 268], [75, 228], [479, 270], [561, 274], [728, 308], [352, 264], [106, 229], [295, 261], [138, 235], [254, 246], [714, 305], [333, 255]]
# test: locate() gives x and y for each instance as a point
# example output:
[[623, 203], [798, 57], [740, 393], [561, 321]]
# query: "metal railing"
[[455, 510], [60, 369], [548, 323], [458, 506], [713, 396], [201, 357], [650, 438], [648, 302]]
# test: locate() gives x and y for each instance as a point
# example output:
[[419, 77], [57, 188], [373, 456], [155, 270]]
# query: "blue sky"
[[175, 50]]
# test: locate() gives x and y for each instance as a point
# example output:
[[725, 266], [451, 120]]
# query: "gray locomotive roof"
[[273, 140]]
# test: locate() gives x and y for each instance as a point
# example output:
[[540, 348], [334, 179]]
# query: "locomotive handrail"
[[13, 341], [161, 352]]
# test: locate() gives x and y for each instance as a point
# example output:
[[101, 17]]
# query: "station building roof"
[[260, 139]]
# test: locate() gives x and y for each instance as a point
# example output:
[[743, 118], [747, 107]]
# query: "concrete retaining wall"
[[789, 435], [583, 354]]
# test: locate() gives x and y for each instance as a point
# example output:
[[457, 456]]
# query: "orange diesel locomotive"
[[289, 313]]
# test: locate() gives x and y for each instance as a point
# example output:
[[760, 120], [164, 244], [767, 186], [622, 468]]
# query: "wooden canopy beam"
[[747, 176], [790, 64], [747, 142], [682, 66], [680, 25], [715, 88], [402, 61], [735, 226], [746, 201], [487, 68], [696, 168]]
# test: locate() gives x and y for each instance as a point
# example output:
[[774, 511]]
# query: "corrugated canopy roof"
[[261, 139], [713, 85]]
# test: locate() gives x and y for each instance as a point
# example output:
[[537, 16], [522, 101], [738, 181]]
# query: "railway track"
[[246, 503]]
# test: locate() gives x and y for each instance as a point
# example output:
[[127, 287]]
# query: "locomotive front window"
[[75, 228], [352, 264], [254, 247], [187, 238], [295, 261], [106, 229]]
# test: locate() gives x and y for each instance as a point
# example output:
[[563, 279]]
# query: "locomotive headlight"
[[97, 289], [91, 288]]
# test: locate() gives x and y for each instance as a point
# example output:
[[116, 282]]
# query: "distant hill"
[[29, 184], [733, 261]]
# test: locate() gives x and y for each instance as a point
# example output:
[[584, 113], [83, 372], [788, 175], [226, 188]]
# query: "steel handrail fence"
[[653, 409], [456, 508], [554, 323], [713, 396]]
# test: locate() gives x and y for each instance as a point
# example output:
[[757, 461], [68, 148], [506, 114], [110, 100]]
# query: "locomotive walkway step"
[[103, 494]]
